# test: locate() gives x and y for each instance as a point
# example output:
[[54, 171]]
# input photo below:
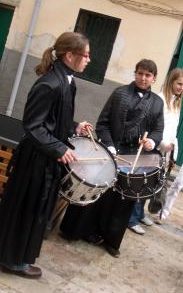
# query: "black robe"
[[34, 175], [123, 119]]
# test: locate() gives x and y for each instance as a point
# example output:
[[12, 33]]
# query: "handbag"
[[157, 202]]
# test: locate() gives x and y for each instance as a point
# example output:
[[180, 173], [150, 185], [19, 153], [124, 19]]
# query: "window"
[[101, 31]]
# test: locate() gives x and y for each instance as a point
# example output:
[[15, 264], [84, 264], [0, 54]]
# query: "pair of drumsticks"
[[96, 148], [117, 157]]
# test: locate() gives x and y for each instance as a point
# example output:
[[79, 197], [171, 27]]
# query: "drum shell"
[[143, 185], [79, 192]]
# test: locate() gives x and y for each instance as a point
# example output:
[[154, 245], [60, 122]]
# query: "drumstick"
[[138, 153], [92, 159], [92, 138], [121, 159]]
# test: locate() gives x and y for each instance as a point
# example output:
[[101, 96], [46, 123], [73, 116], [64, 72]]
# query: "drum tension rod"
[[128, 178], [145, 178]]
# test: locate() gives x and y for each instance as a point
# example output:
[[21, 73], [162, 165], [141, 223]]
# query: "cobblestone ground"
[[152, 263]]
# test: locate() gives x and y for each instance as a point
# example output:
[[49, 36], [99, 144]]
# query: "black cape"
[[34, 175]]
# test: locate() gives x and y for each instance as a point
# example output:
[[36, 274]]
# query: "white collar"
[[140, 94], [70, 77]]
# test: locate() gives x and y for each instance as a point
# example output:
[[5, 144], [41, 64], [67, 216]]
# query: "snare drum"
[[147, 179], [90, 176]]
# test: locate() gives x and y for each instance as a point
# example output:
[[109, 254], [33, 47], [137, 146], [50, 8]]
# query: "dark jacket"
[[121, 121], [49, 111]]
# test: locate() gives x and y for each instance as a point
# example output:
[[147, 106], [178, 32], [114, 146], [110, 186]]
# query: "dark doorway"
[[6, 14]]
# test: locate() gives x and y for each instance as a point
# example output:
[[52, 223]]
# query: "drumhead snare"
[[90, 176]]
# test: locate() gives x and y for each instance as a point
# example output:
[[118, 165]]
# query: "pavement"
[[151, 263]]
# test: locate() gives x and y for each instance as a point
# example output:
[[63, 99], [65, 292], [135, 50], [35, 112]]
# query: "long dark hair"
[[66, 42]]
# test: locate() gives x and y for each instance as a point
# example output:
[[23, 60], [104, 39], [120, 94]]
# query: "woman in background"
[[172, 94]]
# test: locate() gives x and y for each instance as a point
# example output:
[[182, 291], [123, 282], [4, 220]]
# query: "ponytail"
[[66, 42], [46, 62]]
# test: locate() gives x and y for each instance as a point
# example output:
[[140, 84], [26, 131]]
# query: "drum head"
[[95, 167], [145, 164]]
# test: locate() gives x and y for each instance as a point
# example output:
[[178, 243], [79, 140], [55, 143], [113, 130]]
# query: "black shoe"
[[29, 271], [94, 239], [112, 251]]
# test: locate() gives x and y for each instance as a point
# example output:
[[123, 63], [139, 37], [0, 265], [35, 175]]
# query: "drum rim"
[[81, 203], [140, 197], [132, 175]]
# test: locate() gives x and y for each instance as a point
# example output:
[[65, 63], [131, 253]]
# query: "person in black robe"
[[130, 111], [37, 166]]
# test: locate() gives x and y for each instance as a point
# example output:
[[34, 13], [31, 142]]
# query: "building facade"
[[121, 33]]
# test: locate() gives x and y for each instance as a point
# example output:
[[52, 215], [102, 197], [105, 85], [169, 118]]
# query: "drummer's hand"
[[68, 157], [148, 144], [82, 128]]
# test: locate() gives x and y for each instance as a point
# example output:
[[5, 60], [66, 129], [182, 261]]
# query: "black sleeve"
[[103, 125], [40, 101]]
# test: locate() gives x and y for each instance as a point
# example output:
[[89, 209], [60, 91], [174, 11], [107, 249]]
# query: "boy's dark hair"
[[148, 65]]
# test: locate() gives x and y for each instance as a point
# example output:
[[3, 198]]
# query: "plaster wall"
[[140, 36]]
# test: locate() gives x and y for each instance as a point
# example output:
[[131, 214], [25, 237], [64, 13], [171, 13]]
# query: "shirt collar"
[[70, 77], [141, 92]]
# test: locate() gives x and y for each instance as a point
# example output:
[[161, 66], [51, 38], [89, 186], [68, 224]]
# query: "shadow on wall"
[[11, 130], [8, 69]]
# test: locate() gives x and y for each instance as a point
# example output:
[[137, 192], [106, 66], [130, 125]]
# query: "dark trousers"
[[115, 213], [109, 217]]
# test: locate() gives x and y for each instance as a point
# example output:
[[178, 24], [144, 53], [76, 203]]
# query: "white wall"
[[140, 35]]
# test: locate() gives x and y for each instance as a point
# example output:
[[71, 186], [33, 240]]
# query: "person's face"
[[144, 78], [177, 86], [78, 61]]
